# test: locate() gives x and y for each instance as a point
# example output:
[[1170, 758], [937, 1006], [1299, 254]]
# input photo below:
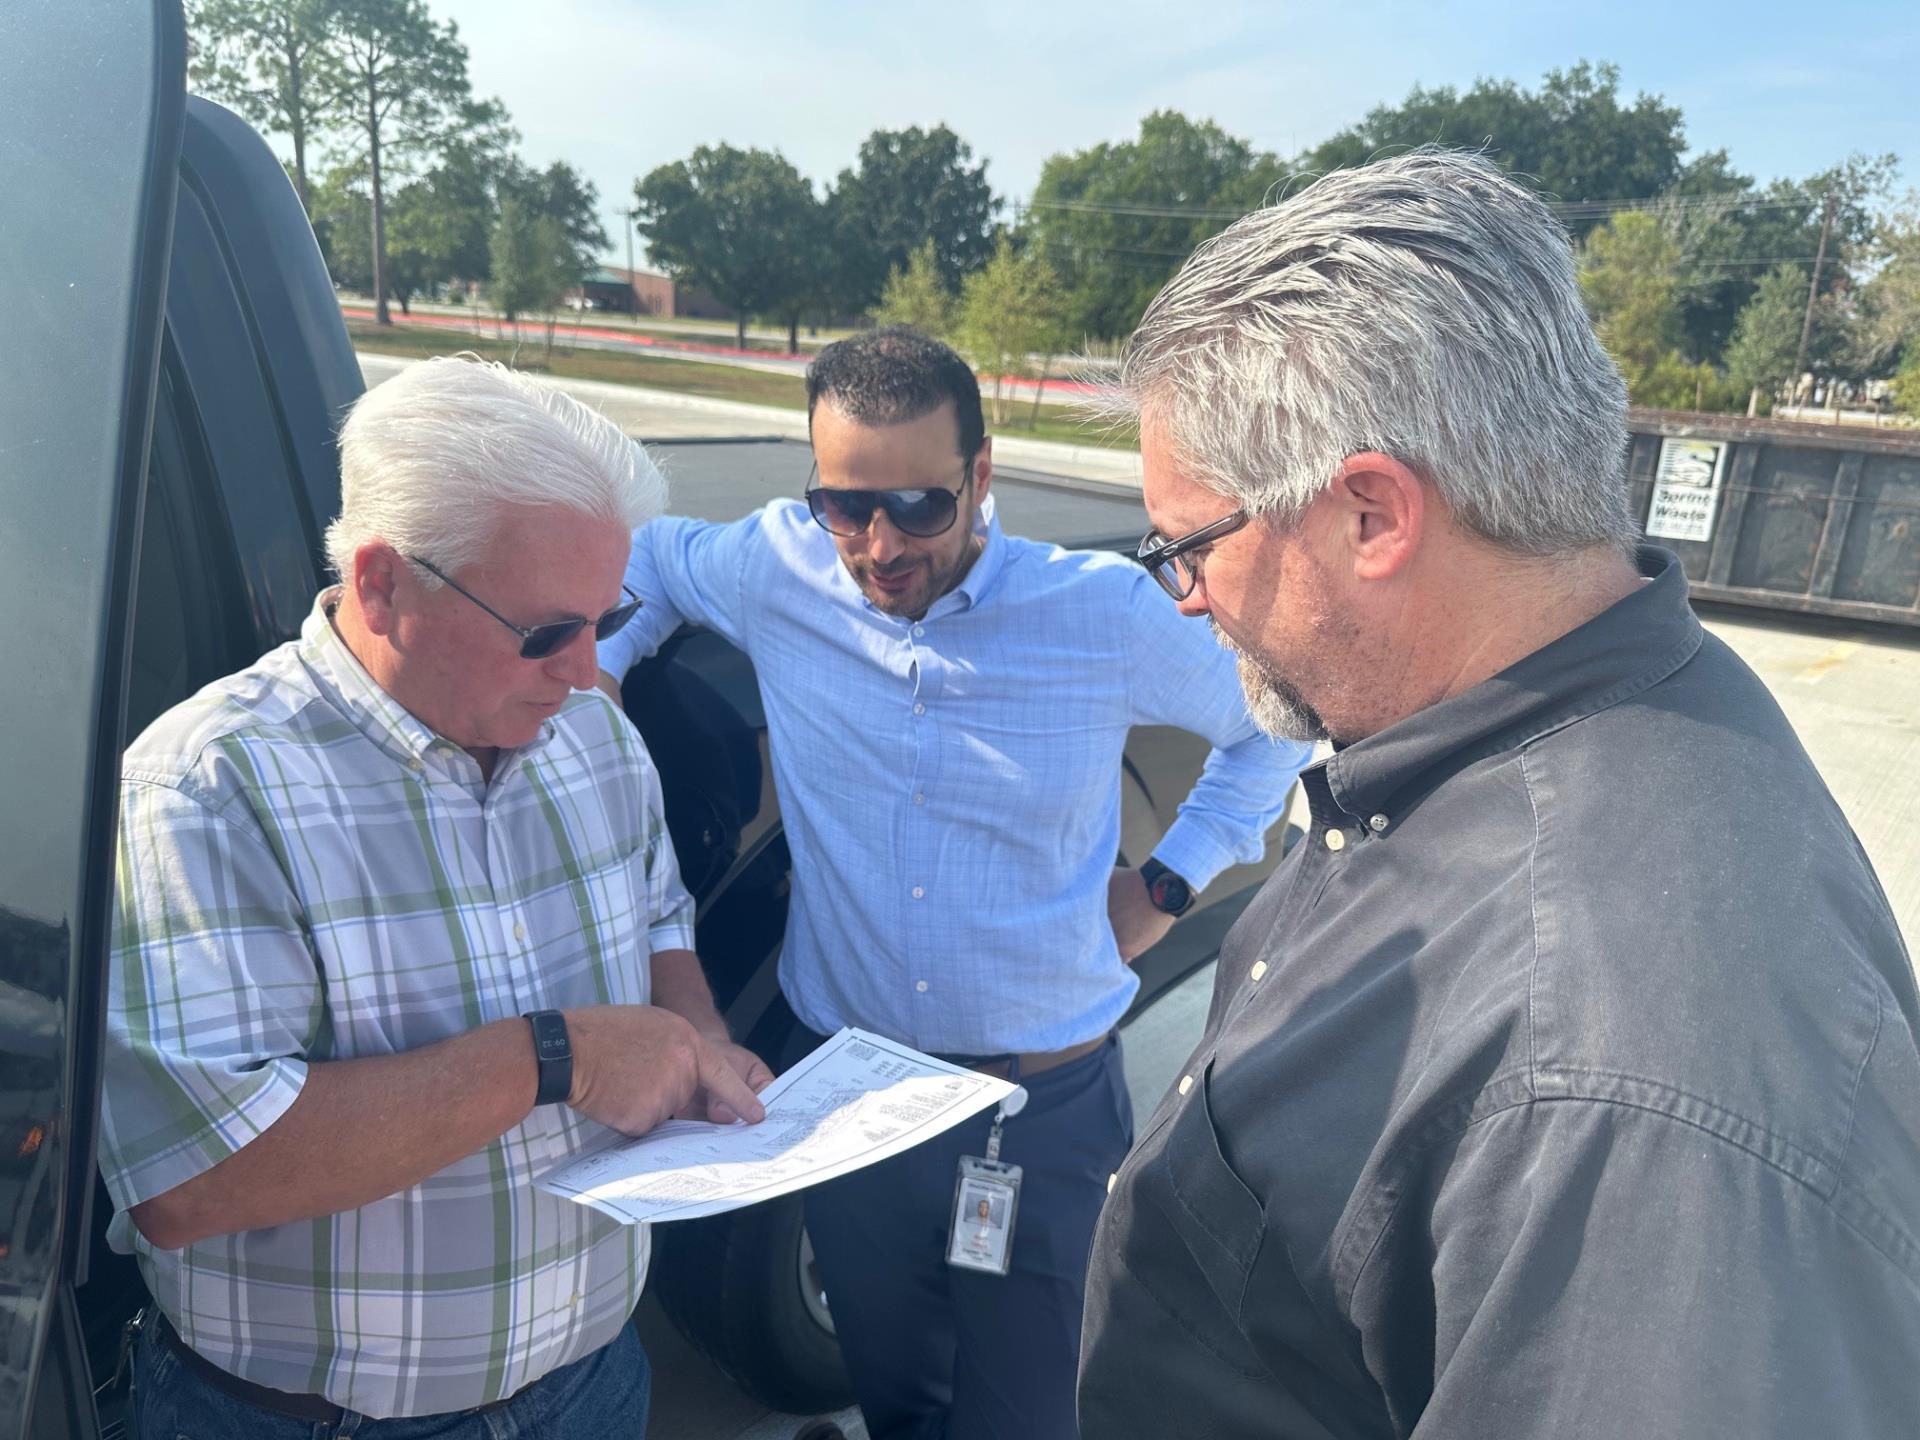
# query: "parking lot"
[[1851, 692]]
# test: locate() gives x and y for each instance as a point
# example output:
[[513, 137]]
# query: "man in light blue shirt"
[[947, 707]]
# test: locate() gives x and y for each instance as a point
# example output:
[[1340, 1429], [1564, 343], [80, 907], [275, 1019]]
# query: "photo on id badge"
[[985, 1198]]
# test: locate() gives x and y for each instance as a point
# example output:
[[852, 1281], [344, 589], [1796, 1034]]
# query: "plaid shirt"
[[307, 873]]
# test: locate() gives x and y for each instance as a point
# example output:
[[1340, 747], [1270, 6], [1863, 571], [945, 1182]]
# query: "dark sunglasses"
[[1166, 560], [919, 513], [537, 642]]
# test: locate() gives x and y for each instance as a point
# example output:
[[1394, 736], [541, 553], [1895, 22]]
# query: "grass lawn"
[[688, 377]]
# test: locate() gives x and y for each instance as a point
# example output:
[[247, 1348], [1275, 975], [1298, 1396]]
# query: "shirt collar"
[[974, 586], [376, 714], [986, 568], [1625, 649]]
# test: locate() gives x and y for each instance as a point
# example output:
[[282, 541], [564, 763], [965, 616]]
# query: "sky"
[[616, 87]]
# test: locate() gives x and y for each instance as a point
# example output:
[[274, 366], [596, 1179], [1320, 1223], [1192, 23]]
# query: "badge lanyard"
[[986, 1199]]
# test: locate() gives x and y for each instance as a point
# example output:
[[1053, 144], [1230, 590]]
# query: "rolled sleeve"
[[670, 909], [1181, 676], [214, 997]]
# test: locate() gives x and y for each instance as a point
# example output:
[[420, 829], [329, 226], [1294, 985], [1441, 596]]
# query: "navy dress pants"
[[938, 1353]]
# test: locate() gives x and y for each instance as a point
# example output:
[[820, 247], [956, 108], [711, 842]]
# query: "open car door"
[[91, 100]]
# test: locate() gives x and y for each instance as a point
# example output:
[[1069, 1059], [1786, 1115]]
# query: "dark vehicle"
[[175, 367]]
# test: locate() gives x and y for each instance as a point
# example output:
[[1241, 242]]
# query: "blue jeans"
[[602, 1396]]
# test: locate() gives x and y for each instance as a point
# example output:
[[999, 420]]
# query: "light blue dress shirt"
[[951, 787]]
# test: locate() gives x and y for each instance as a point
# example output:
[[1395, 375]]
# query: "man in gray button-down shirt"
[[1565, 1081]]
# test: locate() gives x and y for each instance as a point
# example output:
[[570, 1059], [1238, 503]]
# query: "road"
[[583, 334], [1851, 692]]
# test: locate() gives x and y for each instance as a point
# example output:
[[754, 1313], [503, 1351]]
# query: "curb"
[[1087, 462]]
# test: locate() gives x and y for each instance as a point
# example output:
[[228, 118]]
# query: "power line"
[[1566, 209]]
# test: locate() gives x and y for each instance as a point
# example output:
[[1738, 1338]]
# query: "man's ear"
[[982, 469], [1383, 508], [376, 583]]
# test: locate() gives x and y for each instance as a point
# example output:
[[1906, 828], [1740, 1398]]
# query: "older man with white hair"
[[1564, 1081], [399, 928]]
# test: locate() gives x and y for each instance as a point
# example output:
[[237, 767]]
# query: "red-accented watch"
[[1167, 892]]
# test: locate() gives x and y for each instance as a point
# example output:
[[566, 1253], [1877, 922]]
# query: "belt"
[[316, 1409], [1026, 1064]]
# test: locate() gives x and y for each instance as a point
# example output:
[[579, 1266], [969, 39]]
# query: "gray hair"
[[1423, 306], [430, 459]]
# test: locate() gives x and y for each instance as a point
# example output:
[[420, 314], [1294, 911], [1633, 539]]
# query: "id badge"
[[986, 1200]]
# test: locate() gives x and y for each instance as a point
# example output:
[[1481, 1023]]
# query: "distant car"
[[175, 367]]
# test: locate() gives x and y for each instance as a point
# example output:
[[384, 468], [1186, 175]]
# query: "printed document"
[[855, 1100]]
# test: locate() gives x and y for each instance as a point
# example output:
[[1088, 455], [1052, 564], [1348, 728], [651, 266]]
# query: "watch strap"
[[553, 1053]]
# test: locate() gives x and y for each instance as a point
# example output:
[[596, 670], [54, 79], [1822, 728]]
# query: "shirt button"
[[921, 986], [519, 931], [919, 629], [919, 892], [1259, 969], [1336, 839], [413, 763], [920, 799], [918, 708], [1186, 1083], [1377, 823]]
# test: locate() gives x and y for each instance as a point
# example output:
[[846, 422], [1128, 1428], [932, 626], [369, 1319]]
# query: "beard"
[[1274, 703]]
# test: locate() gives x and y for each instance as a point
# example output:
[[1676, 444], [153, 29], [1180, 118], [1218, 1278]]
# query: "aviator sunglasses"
[[539, 641], [919, 513]]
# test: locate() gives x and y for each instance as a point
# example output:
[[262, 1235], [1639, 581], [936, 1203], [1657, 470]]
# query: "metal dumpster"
[[1819, 519]]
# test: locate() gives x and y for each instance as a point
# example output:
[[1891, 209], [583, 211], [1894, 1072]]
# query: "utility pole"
[[632, 288], [1813, 293]]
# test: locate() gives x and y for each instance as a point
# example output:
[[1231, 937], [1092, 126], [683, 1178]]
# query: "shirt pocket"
[[591, 945], [1227, 1221]]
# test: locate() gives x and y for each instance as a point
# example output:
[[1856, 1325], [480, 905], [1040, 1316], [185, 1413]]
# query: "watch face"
[[1170, 894]]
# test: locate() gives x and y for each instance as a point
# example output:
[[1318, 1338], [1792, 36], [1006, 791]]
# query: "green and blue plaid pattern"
[[307, 873]]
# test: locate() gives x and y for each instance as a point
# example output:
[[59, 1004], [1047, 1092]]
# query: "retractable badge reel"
[[986, 1200]]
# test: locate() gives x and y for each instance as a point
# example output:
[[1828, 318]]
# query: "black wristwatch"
[[553, 1051], [1169, 893]]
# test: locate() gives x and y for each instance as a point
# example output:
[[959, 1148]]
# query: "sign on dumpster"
[[1686, 489]]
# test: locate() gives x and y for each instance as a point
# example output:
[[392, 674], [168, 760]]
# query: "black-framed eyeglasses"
[[1167, 560], [537, 642], [920, 513]]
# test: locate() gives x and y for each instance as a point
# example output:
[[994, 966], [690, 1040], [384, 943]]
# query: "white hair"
[[1423, 306], [430, 459]]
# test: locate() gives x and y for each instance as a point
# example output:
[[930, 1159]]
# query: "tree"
[[1906, 386], [1889, 300], [1008, 311], [573, 202], [1628, 276], [402, 89], [532, 265], [911, 188], [917, 296], [457, 200], [342, 218], [742, 223], [1767, 334], [1117, 220], [268, 59], [1572, 139]]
